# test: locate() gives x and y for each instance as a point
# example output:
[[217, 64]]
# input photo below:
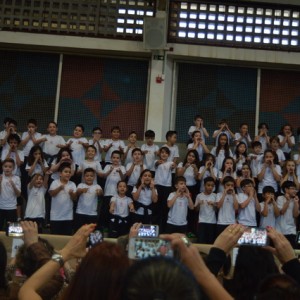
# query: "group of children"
[[148, 184]]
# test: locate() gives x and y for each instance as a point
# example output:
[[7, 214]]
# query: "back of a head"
[[100, 275], [159, 278], [253, 264]]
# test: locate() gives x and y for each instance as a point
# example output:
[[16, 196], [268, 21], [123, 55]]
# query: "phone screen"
[[140, 248], [254, 237], [148, 231], [14, 229], [95, 238]]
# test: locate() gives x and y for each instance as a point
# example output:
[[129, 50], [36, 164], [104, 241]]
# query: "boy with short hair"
[[132, 139], [87, 193], [255, 157], [150, 151], [97, 142], [248, 204], [288, 205], [10, 127], [198, 125], [268, 209], [227, 204], [178, 204], [171, 137], [10, 189], [206, 203]]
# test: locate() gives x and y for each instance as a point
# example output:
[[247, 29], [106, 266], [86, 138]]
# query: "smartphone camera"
[[14, 229], [148, 231], [254, 237], [95, 238]]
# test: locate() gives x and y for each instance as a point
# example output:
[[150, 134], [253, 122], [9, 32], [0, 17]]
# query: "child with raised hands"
[[227, 204], [150, 150], [63, 193], [243, 135], [120, 207], [244, 173], [198, 144], [207, 170], [35, 208], [132, 144], [97, 142], [198, 126], [228, 169], [144, 194], [268, 208], [289, 173], [240, 155], [88, 193], [178, 203], [36, 162], [286, 140], [206, 204], [262, 136], [223, 129], [248, 204], [288, 205]]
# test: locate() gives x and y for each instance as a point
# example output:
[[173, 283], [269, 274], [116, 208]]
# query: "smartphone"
[[144, 247], [14, 229], [148, 230], [298, 238], [95, 238], [254, 237]]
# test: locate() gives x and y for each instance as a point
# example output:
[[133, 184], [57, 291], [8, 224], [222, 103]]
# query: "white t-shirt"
[[174, 152], [8, 198], [38, 168], [55, 175], [280, 155], [194, 128], [16, 170], [163, 174], [226, 214], [50, 146], [199, 149], [128, 158], [264, 144], [239, 164], [135, 175], [285, 223], [62, 204], [36, 203], [115, 146], [247, 215], [221, 187], [206, 174], [207, 212], [121, 205], [247, 140], [149, 157], [30, 143], [95, 165], [270, 219], [220, 157], [112, 180], [78, 153], [178, 212], [255, 161], [188, 175], [87, 202], [98, 156], [144, 198], [217, 137], [268, 178], [286, 147]]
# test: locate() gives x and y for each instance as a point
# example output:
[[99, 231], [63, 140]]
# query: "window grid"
[[101, 18], [250, 25]]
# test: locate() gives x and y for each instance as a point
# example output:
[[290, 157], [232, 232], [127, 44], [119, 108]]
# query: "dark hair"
[[100, 275], [132, 132], [285, 125], [260, 125], [288, 184], [166, 149], [14, 122], [240, 173], [80, 126], [115, 128], [52, 122], [246, 182], [196, 131], [268, 189], [222, 121], [121, 181], [14, 136], [197, 117], [179, 179], [253, 264], [3, 264], [9, 160], [87, 170], [97, 128], [160, 278], [170, 133], [139, 182], [31, 158], [274, 155], [242, 124], [228, 179], [256, 144], [208, 179], [64, 166], [91, 146], [149, 134], [237, 146], [116, 152], [226, 146], [64, 149], [207, 156], [274, 138], [195, 152], [136, 150], [224, 161], [32, 121], [7, 120]]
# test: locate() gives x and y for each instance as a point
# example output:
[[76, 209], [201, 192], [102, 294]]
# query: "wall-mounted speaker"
[[154, 33]]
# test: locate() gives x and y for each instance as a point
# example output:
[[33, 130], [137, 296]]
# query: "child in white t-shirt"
[[150, 151], [35, 208], [120, 206], [198, 144], [255, 157], [87, 192], [288, 204], [97, 142], [36, 163], [287, 140], [227, 204], [10, 189], [268, 209], [178, 204], [243, 135], [198, 125], [63, 193], [132, 139], [206, 203], [275, 146]]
